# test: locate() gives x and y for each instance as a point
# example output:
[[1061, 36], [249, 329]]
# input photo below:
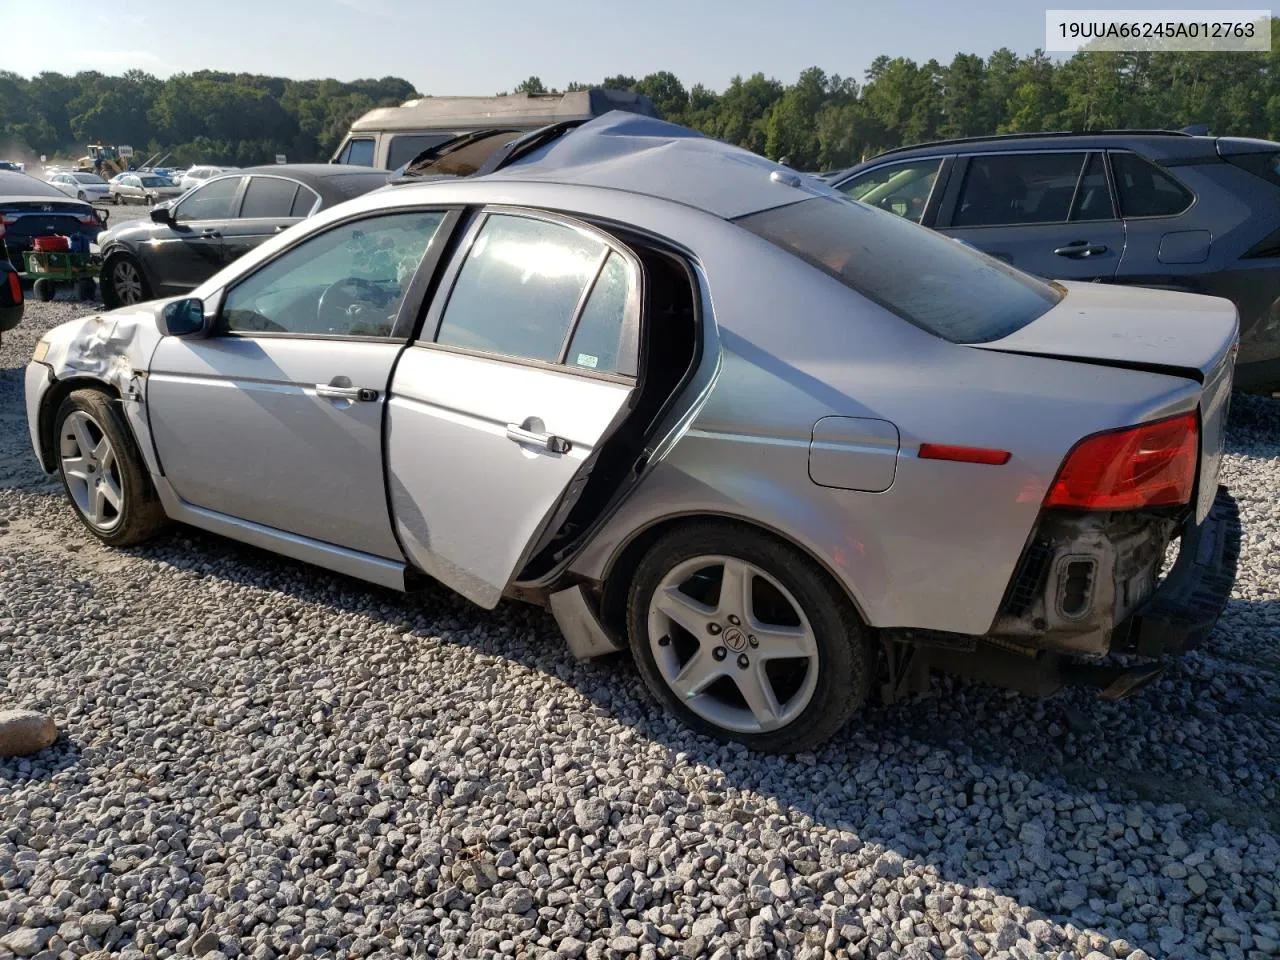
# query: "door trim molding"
[[352, 563]]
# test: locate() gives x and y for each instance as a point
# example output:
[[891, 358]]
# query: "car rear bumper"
[[1182, 612]]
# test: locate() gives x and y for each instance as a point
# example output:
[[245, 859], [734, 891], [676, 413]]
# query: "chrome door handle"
[[544, 441], [210, 233], [343, 393]]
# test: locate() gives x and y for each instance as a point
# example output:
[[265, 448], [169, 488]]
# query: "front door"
[[495, 422], [1050, 214], [188, 250], [277, 418]]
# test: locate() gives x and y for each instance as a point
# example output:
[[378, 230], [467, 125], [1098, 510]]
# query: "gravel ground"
[[261, 759]]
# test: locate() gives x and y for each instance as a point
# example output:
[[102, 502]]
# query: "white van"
[[389, 137]]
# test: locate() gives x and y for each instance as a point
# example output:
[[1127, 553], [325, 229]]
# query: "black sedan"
[[31, 208], [188, 240]]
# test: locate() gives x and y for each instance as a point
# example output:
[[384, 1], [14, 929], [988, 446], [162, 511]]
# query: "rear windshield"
[[941, 285]]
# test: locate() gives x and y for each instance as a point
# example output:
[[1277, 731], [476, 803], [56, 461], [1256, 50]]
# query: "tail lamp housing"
[[1149, 465]]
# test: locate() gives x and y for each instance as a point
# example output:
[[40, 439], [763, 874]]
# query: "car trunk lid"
[[1158, 331]]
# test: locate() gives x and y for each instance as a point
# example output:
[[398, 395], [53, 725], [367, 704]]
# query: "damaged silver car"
[[790, 450]]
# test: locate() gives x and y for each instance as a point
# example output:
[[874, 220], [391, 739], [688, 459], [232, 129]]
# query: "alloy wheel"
[[733, 644], [91, 470], [127, 282]]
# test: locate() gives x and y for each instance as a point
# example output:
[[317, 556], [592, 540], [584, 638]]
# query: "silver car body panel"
[[241, 431], [352, 563], [785, 347], [451, 460]]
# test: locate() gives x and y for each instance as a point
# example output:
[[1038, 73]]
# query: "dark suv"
[[1149, 208]]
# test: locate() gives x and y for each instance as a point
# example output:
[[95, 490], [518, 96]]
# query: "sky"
[[485, 46]]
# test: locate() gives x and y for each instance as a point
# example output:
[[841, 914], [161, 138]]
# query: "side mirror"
[[183, 318], [162, 213]]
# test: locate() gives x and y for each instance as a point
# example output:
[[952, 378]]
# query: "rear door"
[[525, 366], [271, 205], [191, 251], [1162, 244], [1050, 213]]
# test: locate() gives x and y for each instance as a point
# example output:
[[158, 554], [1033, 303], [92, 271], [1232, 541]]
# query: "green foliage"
[[207, 116], [820, 122]]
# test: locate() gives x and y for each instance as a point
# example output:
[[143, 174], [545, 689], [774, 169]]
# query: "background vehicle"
[[105, 161], [389, 137], [1146, 208], [13, 166], [187, 241], [11, 298], [82, 186], [198, 175], [143, 188], [31, 208], [695, 401]]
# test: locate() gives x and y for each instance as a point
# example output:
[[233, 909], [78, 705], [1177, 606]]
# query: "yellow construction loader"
[[105, 161]]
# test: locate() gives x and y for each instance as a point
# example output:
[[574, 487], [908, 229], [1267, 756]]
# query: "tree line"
[[822, 121]]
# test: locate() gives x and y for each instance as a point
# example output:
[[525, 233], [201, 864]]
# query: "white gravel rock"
[[24, 732], [261, 760]]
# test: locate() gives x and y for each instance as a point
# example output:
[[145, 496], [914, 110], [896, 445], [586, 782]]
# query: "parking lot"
[[262, 759]]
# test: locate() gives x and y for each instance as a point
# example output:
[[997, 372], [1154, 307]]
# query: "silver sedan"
[[789, 450], [145, 188]]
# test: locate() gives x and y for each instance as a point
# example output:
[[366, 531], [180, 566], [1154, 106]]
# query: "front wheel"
[[45, 290], [115, 199], [102, 471], [81, 196], [123, 282], [745, 638]]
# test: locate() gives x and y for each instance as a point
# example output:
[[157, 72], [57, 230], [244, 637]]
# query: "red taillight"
[[89, 220], [947, 451], [15, 288], [1150, 465]]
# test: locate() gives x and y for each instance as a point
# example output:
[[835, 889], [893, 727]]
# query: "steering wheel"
[[334, 308]]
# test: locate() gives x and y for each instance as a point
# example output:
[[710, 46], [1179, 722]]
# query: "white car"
[[145, 188], [198, 175], [82, 186]]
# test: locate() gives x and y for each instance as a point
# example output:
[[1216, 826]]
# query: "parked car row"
[[789, 449]]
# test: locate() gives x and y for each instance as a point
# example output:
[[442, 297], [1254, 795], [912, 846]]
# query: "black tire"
[[112, 296], [846, 654], [115, 199], [81, 196], [140, 516], [86, 289], [45, 290]]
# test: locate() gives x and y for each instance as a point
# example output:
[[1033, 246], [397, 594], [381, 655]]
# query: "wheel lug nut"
[[664, 641], [751, 639], [714, 629], [743, 662], [719, 653], [734, 620]]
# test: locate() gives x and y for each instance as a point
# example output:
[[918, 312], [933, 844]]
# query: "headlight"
[[40, 352]]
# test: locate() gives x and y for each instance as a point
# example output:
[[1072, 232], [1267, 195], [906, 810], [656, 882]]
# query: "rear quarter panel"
[[938, 548]]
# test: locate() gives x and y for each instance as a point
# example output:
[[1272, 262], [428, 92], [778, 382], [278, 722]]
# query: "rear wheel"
[[102, 471], [45, 290], [745, 638]]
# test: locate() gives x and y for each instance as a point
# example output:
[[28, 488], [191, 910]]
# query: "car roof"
[[334, 182], [643, 155], [14, 184], [1162, 146], [447, 113]]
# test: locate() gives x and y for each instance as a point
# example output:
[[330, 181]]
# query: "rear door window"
[[519, 289], [939, 284], [303, 202], [1145, 190], [268, 198], [1018, 188]]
